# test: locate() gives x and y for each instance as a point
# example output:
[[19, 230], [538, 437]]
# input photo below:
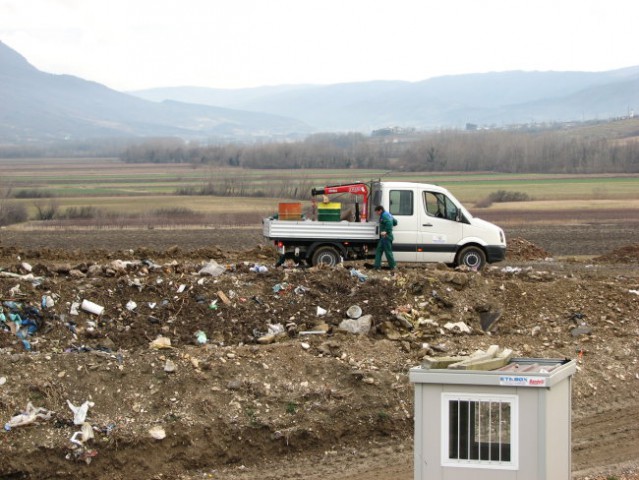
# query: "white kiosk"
[[512, 423]]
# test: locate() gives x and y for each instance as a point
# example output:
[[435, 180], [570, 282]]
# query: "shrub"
[[12, 213], [174, 212], [506, 196], [502, 196], [77, 213], [34, 193]]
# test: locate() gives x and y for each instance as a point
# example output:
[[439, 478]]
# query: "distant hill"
[[499, 98], [37, 106]]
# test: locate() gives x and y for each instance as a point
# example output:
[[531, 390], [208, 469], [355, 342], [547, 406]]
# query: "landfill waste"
[[80, 413], [212, 268], [275, 329], [21, 320], [29, 416], [354, 312], [85, 434], [488, 319], [91, 307], [79, 439], [161, 343], [157, 433], [359, 326], [47, 301], [170, 366], [360, 276], [200, 337], [460, 326], [257, 268]]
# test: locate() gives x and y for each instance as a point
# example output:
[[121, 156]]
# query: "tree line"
[[497, 151]]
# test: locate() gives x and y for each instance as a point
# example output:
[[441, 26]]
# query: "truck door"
[[402, 205], [439, 230]]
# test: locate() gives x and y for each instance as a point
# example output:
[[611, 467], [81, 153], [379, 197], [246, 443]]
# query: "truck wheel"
[[472, 257], [326, 255]]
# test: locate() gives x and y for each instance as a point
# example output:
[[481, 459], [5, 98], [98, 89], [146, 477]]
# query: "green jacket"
[[386, 225]]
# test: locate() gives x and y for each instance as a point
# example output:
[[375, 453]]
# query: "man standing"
[[385, 244]]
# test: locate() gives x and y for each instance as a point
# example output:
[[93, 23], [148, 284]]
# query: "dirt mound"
[[198, 368], [627, 254], [520, 249]]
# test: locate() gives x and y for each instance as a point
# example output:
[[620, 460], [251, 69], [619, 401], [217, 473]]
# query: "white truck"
[[432, 226]]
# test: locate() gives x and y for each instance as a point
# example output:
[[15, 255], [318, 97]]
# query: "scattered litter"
[[257, 268], [170, 366], [305, 345], [28, 277], [85, 434], [224, 298], [354, 312], [73, 310], [200, 337], [360, 326], [301, 290], [161, 343], [279, 287], [157, 433], [91, 307], [635, 292], [80, 413], [488, 319], [320, 311], [131, 305], [360, 276], [510, 269], [47, 301], [80, 451], [181, 288], [460, 326], [29, 416], [212, 268], [275, 329]]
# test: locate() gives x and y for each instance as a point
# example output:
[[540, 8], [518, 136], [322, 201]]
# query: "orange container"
[[290, 211]]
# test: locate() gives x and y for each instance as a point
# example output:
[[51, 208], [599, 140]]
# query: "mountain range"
[[36, 106]]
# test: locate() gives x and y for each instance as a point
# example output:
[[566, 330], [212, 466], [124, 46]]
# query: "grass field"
[[117, 188]]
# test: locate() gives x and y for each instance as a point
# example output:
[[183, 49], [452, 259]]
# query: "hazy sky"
[[135, 44]]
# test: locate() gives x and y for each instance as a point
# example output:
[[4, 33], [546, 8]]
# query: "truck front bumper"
[[495, 253]]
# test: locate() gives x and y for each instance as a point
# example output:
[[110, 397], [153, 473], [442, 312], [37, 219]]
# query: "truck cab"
[[433, 226]]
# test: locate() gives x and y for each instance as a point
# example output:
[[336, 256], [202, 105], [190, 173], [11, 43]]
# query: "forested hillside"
[[588, 148]]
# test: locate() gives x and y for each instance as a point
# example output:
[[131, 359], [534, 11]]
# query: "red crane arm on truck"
[[354, 188]]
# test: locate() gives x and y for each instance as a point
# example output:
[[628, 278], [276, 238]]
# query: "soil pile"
[[210, 363], [626, 254], [520, 249]]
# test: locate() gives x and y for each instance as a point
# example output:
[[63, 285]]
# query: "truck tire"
[[327, 255], [473, 257]]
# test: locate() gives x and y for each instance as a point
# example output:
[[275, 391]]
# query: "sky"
[[137, 44]]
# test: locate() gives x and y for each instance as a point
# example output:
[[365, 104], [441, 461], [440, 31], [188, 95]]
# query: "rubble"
[[208, 359]]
